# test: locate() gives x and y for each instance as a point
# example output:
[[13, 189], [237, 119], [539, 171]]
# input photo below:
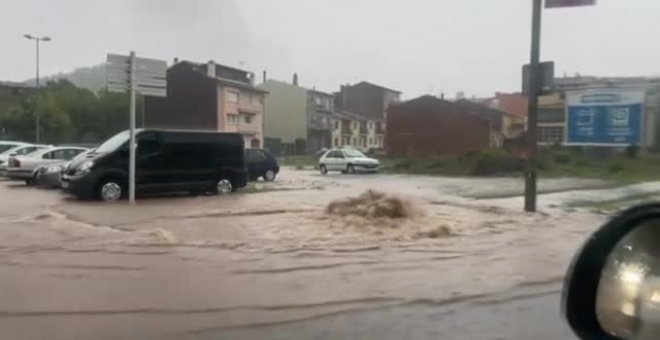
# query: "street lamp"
[[36, 113]]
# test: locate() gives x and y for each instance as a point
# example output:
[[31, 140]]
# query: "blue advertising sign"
[[605, 118]]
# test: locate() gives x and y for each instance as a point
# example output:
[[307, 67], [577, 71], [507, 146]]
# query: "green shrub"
[[437, 163], [494, 162], [404, 164], [632, 151], [562, 158], [581, 162], [616, 166]]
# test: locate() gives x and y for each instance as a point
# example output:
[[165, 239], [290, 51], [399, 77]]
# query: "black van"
[[166, 161], [261, 163]]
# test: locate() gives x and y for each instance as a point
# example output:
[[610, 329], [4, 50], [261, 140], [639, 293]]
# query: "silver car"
[[51, 175], [10, 148], [25, 167]]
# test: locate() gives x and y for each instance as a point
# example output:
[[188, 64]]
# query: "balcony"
[[248, 128]]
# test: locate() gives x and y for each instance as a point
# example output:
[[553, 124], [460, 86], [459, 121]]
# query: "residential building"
[[495, 117], [515, 105], [300, 119], [209, 97], [551, 119], [304, 120], [366, 99], [428, 126], [352, 130]]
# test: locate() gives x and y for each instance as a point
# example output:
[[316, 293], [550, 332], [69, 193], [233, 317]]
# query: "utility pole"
[[36, 111], [131, 163], [532, 138]]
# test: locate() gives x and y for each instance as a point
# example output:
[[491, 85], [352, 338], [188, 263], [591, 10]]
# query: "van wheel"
[[324, 169], [110, 190], [224, 187], [269, 176], [350, 169]]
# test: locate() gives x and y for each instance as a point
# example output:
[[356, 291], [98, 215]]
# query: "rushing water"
[[189, 265]]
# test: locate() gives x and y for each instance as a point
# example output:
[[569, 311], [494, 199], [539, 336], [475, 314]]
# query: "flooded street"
[[225, 267]]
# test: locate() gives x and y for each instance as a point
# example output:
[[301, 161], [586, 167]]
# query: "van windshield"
[[113, 143]]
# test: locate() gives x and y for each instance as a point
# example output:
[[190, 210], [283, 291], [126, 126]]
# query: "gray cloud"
[[418, 46]]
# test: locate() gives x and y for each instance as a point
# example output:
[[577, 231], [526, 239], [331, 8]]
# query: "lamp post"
[[36, 112]]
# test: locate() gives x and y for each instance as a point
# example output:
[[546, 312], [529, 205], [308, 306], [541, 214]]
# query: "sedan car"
[[25, 167], [50, 175], [18, 150], [347, 161]]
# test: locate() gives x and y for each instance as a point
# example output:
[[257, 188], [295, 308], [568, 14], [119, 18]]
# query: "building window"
[[354, 141], [232, 119], [371, 125], [336, 125], [346, 141], [336, 142], [248, 119], [551, 134], [355, 125], [232, 96]]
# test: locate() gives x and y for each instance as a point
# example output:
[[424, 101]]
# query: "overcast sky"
[[415, 46]]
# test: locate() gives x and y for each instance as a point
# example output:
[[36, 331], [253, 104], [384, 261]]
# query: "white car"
[[21, 149], [347, 161], [25, 167]]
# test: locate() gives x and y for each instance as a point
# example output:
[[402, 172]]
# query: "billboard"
[[607, 117]]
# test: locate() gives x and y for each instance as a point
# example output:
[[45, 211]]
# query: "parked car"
[[261, 164], [166, 161], [347, 161], [51, 175], [20, 149], [25, 167], [6, 145]]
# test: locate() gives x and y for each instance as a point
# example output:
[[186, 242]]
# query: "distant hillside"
[[92, 78]]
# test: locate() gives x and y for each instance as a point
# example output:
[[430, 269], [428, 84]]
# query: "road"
[[275, 262], [528, 315]]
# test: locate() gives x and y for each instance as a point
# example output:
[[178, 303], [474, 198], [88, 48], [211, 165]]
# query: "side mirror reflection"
[[628, 296]]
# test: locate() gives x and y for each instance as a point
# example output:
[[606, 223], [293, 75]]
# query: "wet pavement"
[[269, 262]]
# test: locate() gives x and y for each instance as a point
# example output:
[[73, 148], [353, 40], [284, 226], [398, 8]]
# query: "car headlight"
[[54, 168], [84, 168]]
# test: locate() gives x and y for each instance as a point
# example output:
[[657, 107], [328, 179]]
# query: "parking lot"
[[177, 266]]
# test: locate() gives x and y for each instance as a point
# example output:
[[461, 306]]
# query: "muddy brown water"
[[180, 265]]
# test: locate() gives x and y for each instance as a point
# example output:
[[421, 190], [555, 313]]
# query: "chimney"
[[343, 97], [263, 76], [295, 79], [442, 96], [176, 60], [210, 69]]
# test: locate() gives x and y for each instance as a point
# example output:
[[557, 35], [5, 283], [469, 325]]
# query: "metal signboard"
[[568, 3], [605, 118], [547, 77], [135, 75], [150, 75]]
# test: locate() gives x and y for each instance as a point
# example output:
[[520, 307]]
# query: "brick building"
[[428, 126]]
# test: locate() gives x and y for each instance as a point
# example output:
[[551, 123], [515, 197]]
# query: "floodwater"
[[192, 266]]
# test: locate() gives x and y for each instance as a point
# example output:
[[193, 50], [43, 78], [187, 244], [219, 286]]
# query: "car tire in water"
[[110, 189], [269, 176], [324, 169], [350, 169]]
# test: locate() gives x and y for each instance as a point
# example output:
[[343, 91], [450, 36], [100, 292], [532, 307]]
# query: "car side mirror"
[[612, 289]]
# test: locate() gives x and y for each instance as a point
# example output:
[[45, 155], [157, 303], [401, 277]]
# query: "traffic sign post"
[[533, 93], [132, 74]]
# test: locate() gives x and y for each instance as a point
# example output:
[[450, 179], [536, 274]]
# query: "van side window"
[[148, 145]]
